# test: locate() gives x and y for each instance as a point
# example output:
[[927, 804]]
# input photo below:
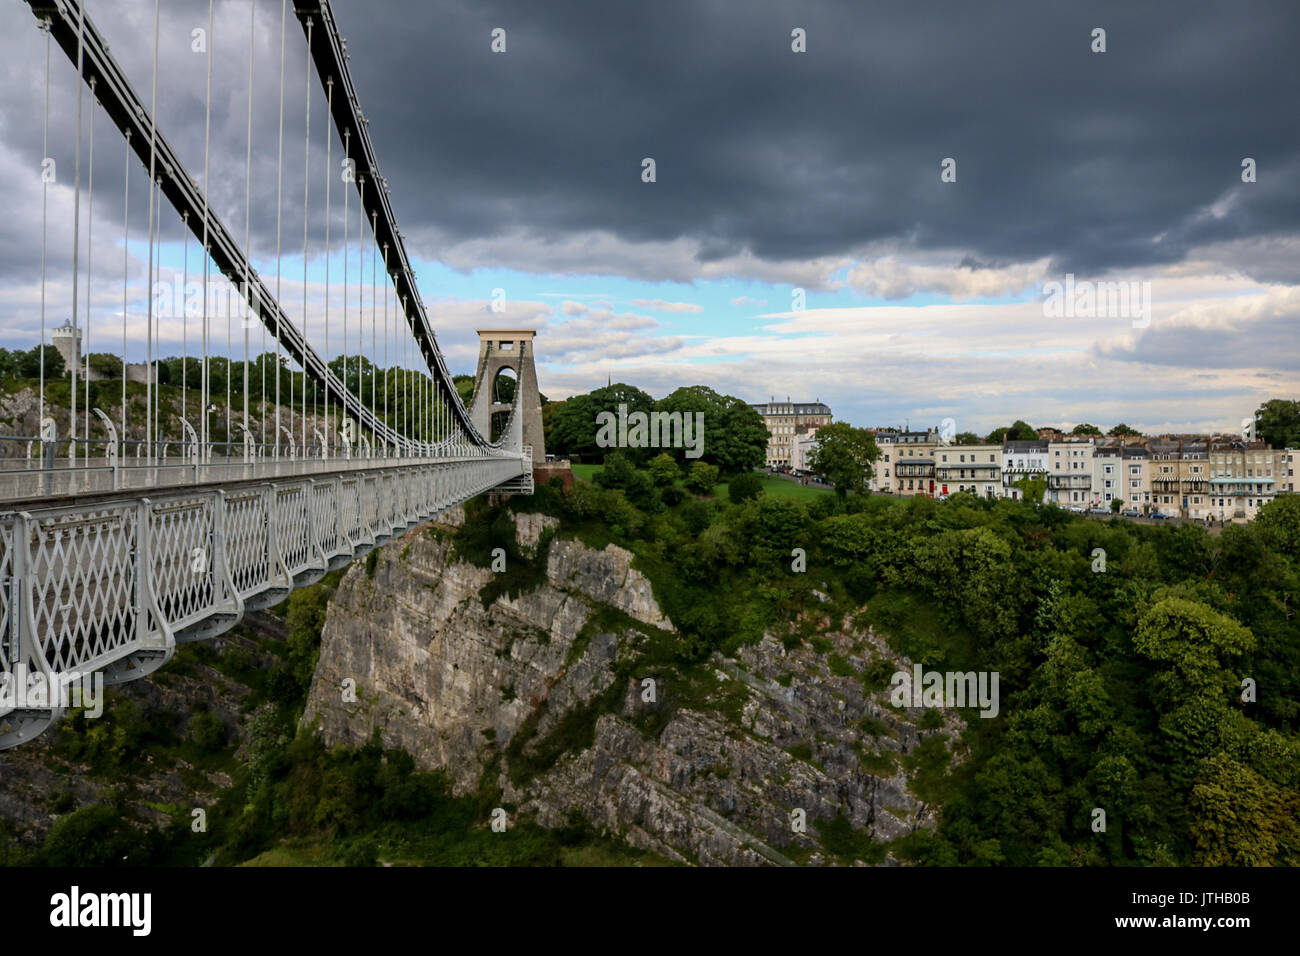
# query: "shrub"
[[746, 486], [663, 470], [207, 732], [702, 478], [95, 836]]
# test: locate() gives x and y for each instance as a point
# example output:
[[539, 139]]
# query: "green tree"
[[702, 478], [1278, 523], [505, 389], [735, 438], [464, 388], [1279, 422], [572, 426], [746, 486], [29, 364], [967, 438], [1238, 818], [1018, 431], [1122, 431], [844, 455], [1032, 487], [95, 836], [1022, 431], [663, 470], [1194, 642], [1115, 505], [1085, 429]]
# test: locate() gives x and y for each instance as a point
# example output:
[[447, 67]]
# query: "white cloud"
[[659, 305]]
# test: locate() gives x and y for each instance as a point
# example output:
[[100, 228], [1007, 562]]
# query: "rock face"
[[567, 698]]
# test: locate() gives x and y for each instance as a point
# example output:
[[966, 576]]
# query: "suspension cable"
[[76, 246], [279, 188], [329, 142], [306, 193], [374, 277], [361, 291], [185, 312], [45, 188], [205, 376], [126, 262], [149, 371], [248, 185], [387, 369], [347, 135], [90, 248], [406, 387]]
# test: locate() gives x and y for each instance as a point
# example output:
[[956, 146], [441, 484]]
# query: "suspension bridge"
[[155, 523]]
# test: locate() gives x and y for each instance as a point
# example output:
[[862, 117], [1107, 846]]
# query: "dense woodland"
[[1161, 684], [1121, 688]]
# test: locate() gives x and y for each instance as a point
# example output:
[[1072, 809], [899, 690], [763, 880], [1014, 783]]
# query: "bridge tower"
[[511, 349]]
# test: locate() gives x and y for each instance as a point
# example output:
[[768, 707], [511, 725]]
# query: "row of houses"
[[1201, 477]]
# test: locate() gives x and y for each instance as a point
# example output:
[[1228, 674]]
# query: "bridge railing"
[[22, 481], [111, 586]]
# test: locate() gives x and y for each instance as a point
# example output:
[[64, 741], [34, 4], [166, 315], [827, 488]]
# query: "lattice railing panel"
[[325, 514], [246, 538], [349, 504], [8, 589], [293, 527], [184, 582], [85, 597]]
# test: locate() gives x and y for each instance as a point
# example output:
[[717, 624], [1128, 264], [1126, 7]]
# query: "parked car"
[[1160, 516], [1131, 513], [1077, 509]]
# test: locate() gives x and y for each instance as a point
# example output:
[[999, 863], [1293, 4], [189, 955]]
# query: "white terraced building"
[[1022, 459], [976, 469], [1069, 473]]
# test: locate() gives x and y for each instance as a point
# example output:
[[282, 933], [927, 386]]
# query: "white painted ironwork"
[[113, 585]]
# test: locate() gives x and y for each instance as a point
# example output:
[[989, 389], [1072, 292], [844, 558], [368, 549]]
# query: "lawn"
[[773, 486]]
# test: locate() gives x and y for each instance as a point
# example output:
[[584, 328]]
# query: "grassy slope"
[[772, 486]]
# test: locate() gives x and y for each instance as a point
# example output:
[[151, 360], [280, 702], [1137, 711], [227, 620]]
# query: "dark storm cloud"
[[1096, 160], [1084, 157]]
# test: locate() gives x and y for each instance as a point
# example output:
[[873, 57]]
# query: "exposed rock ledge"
[[710, 779]]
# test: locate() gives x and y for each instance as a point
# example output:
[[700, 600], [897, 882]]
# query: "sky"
[[876, 222]]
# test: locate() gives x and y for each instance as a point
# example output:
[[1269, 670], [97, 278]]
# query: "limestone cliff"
[[567, 698]]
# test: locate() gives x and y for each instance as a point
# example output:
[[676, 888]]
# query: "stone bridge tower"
[[500, 349]]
